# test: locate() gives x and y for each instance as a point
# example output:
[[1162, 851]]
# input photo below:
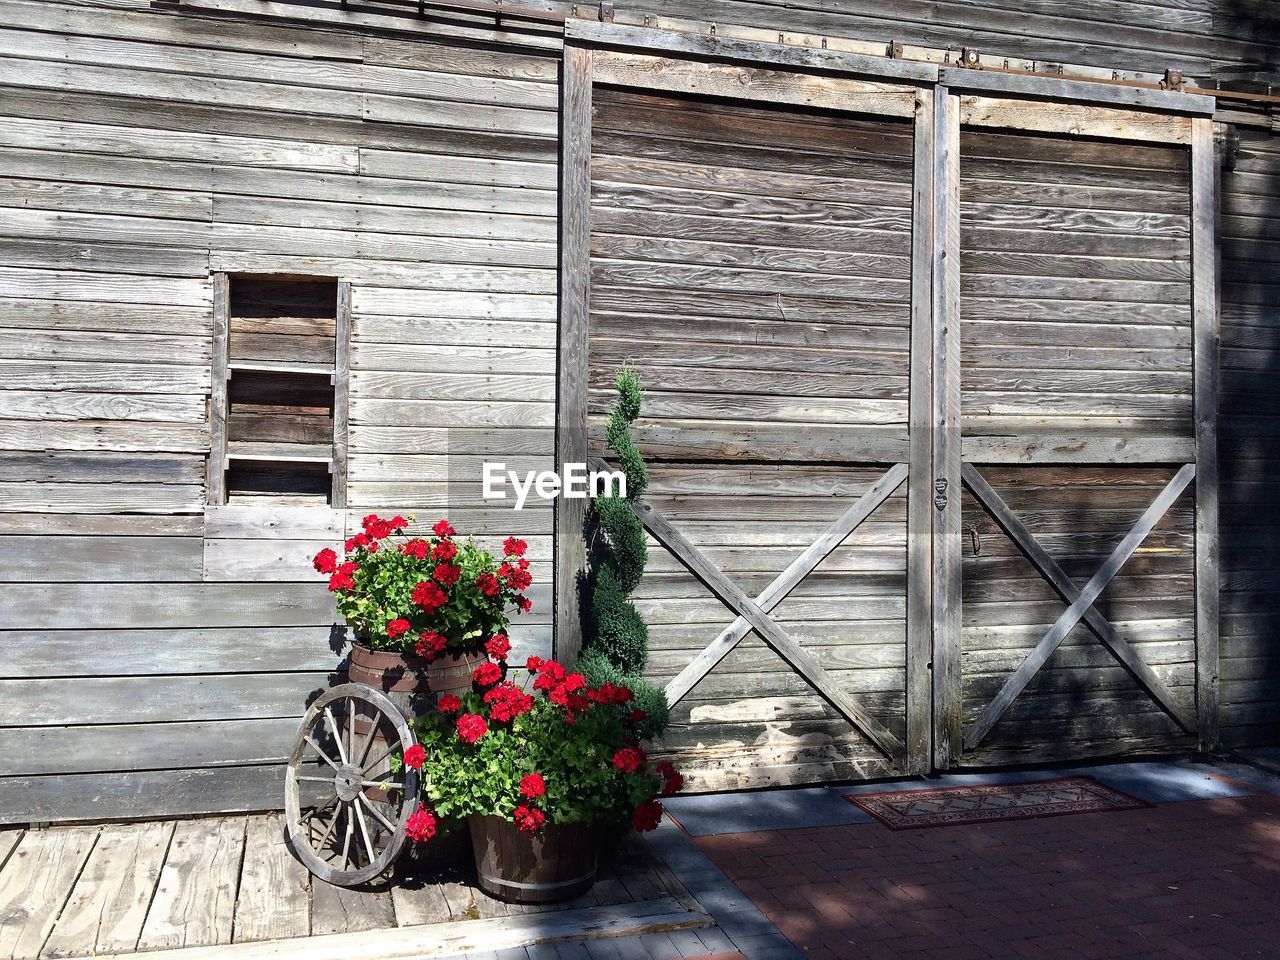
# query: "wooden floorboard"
[[205, 887], [274, 901], [35, 884], [109, 902], [195, 899]]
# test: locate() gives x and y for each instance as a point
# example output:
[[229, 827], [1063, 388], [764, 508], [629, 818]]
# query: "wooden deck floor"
[[129, 887]]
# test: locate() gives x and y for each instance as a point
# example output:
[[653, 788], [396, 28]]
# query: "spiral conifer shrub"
[[617, 637]]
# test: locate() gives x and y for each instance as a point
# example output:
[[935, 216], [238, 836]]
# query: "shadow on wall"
[[1249, 438]]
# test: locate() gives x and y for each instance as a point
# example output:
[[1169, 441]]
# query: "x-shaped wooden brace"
[[1080, 601], [753, 615]]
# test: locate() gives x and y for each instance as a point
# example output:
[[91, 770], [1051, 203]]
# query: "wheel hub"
[[347, 782]]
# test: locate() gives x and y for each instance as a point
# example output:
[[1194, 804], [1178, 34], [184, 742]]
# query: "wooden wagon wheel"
[[346, 808]]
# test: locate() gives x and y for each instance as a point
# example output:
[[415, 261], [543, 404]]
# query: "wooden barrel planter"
[[555, 863]]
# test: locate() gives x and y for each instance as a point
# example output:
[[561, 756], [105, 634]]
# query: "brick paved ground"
[[1195, 879]]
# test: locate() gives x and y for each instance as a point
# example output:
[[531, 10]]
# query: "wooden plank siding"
[[753, 267], [142, 153], [154, 658], [1042, 317]]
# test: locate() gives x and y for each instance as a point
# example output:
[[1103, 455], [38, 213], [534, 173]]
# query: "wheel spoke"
[[386, 784], [323, 756], [314, 810], [368, 742], [378, 815], [351, 728], [336, 733], [358, 807], [333, 822], [346, 841], [303, 776], [388, 752]]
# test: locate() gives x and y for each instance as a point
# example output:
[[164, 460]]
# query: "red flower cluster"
[[429, 596], [421, 825], [417, 548], [528, 818], [513, 547], [673, 781], [397, 628], [532, 786], [430, 645], [447, 574], [471, 727], [629, 759], [498, 646], [487, 674], [326, 561], [647, 816], [342, 578], [448, 703], [444, 550], [610, 693], [415, 756], [377, 528], [507, 701], [443, 528], [488, 584]]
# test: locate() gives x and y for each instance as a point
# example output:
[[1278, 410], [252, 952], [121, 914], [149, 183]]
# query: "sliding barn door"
[[753, 266], [1077, 528]]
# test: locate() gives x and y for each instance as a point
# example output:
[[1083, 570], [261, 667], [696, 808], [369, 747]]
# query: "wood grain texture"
[[195, 898], [273, 901]]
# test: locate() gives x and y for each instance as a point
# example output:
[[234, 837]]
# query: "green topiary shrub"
[[618, 631], [617, 638]]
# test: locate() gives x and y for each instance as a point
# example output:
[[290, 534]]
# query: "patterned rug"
[[912, 809]]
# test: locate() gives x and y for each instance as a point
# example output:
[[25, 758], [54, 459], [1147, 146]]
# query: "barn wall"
[[154, 660], [143, 150]]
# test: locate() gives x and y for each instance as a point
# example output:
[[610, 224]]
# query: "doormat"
[[943, 806]]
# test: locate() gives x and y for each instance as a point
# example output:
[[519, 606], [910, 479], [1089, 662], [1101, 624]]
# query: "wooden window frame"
[[220, 369]]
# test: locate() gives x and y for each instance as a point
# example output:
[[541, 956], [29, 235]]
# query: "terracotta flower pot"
[[555, 863]]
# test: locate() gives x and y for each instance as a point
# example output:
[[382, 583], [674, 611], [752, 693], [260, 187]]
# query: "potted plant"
[[422, 609], [542, 771]]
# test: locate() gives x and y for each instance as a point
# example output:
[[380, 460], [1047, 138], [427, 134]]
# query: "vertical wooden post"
[[341, 387], [1204, 299], [945, 257], [920, 482], [216, 468], [571, 366]]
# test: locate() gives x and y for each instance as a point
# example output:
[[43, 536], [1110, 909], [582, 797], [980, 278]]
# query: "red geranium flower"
[[443, 528], [430, 645], [524, 603], [415, 756], [507, 701], [421, 825], [533, 664], [674, 781], [448, 703], [416, 548], [629, 759], [445, 550], [488, 584], [447, 573], [471, 727], [513, 547], [528, 818], [533, 786], [342, 578], [428, 596], [498, 646], [487, 674], [359, 540], [326, 561], [647, 816], [638, 715], [397, 628]]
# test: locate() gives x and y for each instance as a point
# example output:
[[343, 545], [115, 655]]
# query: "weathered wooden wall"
[[143, 150], [153, 660]]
